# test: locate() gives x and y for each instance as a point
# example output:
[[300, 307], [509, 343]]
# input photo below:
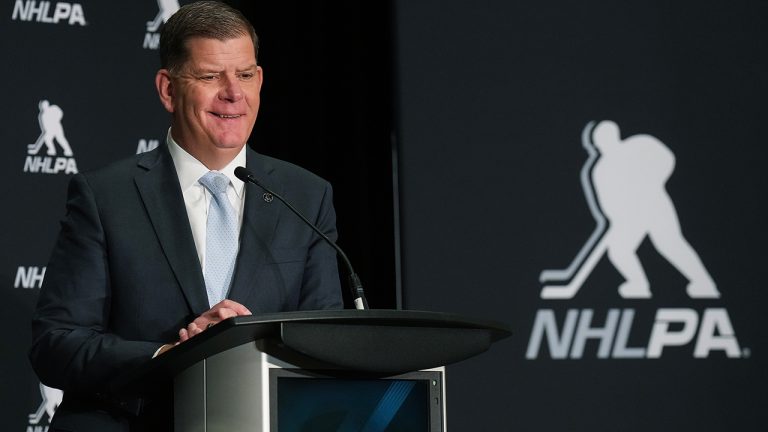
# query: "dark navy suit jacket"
[[124, 276]]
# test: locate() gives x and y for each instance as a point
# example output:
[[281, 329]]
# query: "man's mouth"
[[227, 116]]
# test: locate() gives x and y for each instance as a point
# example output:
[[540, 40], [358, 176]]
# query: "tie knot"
[[215, 182]]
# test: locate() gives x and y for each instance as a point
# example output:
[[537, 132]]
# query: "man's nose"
[[230, 90]]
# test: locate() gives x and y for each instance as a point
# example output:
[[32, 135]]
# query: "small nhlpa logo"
[[624, 183], [51, 400], [166, 9], [51, 133], [41, 11], [146, 145], [50, 129], [29, 277]]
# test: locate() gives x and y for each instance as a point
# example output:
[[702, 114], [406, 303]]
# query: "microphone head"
[[243, 174]]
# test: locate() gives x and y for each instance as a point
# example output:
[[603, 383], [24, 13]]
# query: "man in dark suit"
[[133, 272]]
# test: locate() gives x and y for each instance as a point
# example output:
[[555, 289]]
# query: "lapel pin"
[[268, 197]]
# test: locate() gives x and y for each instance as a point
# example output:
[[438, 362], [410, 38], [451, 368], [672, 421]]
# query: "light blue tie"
[[220, 239]]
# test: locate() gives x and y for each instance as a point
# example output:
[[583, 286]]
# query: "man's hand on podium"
[[219, 312]]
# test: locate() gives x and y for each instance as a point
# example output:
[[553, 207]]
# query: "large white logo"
[[51, 133], [41, 11], [51, 400], [166, 9], [624, 184]]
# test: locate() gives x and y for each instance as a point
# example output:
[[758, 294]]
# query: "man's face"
[[214, 97]]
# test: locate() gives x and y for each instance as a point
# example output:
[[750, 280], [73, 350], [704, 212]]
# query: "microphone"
[[354, 281]]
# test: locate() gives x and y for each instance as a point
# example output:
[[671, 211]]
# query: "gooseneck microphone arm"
[[358, 294]]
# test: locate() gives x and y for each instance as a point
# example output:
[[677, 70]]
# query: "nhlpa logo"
[[624, 184], [51, 400], [29, 277], [146, 145], [51, 133], [166, 9], [41, 11]]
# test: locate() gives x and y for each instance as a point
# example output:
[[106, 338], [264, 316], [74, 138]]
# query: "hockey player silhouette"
[[624, 182], [50, 128], [51, 400], [166, 9]]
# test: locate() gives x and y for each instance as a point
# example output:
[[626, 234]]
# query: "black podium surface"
[[360, 341]]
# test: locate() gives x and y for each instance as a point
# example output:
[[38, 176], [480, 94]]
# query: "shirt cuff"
[[158, 351]]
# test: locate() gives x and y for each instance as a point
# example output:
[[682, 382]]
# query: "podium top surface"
[[375, 341], [400, 318]]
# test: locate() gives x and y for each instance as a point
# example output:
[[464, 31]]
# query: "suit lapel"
[[258, 229], [159, 188]]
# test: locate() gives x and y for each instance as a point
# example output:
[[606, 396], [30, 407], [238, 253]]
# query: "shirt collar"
[[189, 169]]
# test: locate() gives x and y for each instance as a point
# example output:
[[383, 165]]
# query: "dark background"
[[494, 96], [451, 131], [327, 105]]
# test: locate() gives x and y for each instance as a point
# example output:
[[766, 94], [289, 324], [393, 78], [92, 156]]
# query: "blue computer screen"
[[346, 405]]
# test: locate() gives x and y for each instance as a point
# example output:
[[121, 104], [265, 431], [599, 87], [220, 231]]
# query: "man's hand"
[[220, 311]]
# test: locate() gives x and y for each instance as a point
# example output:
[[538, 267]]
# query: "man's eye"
[[246, 76], [208, 77]]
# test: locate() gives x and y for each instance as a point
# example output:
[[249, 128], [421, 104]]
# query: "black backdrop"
[[493, 98], [327, 106]]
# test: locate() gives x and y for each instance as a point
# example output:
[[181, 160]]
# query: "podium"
[[361, 369]]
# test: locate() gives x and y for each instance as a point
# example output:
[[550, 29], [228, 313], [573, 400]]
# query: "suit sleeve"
[[320, 284], [72, 347]]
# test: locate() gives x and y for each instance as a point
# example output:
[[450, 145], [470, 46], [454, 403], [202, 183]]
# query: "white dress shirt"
[[197, 198]]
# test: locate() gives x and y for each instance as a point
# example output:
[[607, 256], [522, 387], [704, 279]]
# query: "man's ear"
[[164, 89], [260, 73]]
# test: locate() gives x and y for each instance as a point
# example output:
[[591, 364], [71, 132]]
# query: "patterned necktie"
[[220, 239]]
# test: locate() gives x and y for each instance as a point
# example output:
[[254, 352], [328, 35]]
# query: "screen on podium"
[[307, 401]]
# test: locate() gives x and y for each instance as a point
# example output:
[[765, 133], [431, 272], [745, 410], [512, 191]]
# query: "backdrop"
[[79, 93], [628, 257]]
